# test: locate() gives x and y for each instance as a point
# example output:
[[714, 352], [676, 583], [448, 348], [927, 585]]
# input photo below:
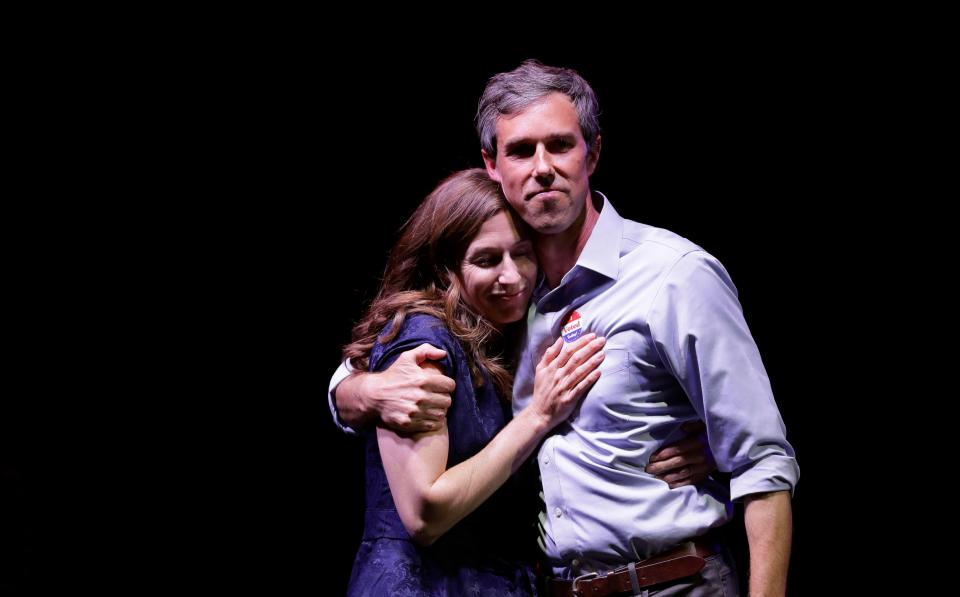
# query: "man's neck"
[[558, 253]]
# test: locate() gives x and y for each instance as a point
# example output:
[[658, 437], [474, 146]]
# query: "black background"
[[201, 446]]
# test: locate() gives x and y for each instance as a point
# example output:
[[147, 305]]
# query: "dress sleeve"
[[417, 329]]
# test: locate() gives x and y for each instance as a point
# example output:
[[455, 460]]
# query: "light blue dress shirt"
[[678, 349]]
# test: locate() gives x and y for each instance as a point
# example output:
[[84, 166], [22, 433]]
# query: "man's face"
[[543, 163]]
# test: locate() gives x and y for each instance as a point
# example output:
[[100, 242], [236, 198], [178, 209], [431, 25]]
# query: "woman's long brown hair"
[[421, 277]]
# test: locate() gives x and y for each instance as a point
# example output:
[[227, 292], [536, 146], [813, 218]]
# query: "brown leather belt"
[[685, 560]]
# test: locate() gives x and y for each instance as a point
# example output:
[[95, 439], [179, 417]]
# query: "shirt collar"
[[602, 251], [601, 254]]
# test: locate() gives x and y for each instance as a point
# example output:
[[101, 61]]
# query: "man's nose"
[[542, 164]]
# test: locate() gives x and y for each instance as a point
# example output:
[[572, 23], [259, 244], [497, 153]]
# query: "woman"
[[444, 516]]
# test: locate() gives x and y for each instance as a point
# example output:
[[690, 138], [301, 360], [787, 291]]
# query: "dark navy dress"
[[487, 553]]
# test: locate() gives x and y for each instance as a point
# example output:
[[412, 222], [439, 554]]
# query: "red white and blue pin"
[[572, 327]]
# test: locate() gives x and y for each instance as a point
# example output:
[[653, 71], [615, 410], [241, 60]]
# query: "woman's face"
[[498, 271]]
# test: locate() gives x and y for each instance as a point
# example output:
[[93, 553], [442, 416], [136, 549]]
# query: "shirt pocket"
[[595, 412]]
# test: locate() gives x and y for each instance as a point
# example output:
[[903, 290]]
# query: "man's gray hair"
[[515, 91]]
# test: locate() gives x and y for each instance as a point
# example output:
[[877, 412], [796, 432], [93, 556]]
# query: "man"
[[678, 350]]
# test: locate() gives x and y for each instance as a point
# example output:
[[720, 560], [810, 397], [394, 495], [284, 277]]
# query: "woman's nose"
[[509, 274]]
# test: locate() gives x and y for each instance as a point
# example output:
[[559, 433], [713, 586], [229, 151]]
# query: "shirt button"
[[557, 512], [546, 461]]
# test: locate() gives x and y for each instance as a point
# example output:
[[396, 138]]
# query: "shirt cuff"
[[773, 473], [342, 372]]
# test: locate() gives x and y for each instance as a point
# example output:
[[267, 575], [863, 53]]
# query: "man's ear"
[[491, 164], [593, 156]]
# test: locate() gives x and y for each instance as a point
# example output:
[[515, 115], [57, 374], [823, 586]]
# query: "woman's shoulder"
[[421, 326], [416, 329]]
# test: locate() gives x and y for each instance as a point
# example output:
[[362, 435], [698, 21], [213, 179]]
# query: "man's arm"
[[415, 400], [406, 397], [769, 521], [350, 403], [698, 328]]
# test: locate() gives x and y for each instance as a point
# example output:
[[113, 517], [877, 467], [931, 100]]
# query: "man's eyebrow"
[[510, 144]]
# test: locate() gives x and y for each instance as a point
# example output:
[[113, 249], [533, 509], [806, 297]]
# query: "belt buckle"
[[587, 576]]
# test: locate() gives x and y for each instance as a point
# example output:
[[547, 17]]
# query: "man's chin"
[[549, 225]]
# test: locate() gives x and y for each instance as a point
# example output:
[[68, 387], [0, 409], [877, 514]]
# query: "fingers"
[[435, 414], [552, 352], [586, 352], [686, 476], [676, 469], [425, 425], [572, 349], [687, 462], [438, 383], [434, 402], [432, 425], [689, 448], [679, 461], [579, 352], [665, 466], [678, 476], [584, 385], [419, 421], [581, 372], [426, 352]]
